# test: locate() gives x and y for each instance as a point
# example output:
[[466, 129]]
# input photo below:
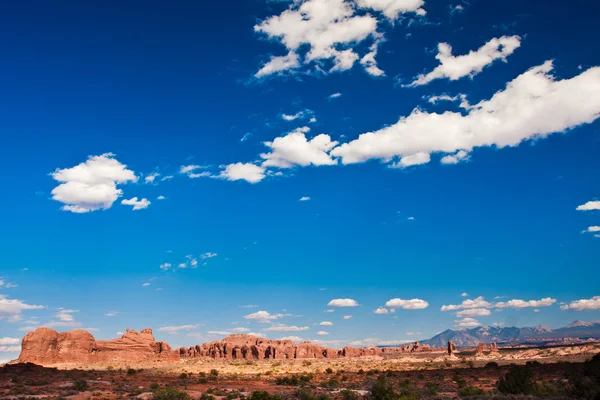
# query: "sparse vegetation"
[[170, 393]]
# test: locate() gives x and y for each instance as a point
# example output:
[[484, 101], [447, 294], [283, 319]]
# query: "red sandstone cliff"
[[46, 346]]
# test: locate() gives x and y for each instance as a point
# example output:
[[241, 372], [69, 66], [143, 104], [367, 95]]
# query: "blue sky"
[[452, 158]]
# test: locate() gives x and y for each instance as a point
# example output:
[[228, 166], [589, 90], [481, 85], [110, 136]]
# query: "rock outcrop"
[[451, 348], [47, 347]]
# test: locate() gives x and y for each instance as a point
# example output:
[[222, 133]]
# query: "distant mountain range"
[[472, 337]]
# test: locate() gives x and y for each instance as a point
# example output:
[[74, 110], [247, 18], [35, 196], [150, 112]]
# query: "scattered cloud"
[[592, 229], [264, 316], [326, 323], [590, 205], [479, 302], [249, 306], [347, 316], [161, 198], [456, 67], [334, 96], [322, 333], [343, 303], [467, 323], [279, 65], [65, 315], [292, 338], [532, 106], [91, 185], [304, 198], [294, 149], [464, 294], [243, 171], [219, 333], [137, 204], [414, 304], [112, 313], [152, 177], [381, 310], [592, 304], [241, 330], [286, 328], [174, 330], [547, 302], [474, 312], [165, 266], [208, 255]]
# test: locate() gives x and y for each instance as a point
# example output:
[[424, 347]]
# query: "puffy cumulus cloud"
[[479, 302], [304, 198], [294, 149], [533, 105], [65, 315], [264, 316], [460, 156], [456, 67], [91, 185], [592, 229], [174, 330], [474, 312], [12, 309], [592, 304], [589, 206], [243, 171], [464, 294], [286, 328], [347, 316], [7, 341], [326, 323], [381, 310], [330, 31], [137, 204], [546, 302], [467, 323], [151, 177], [413, 304], [343, 303], [322, 333], [279, 65], [393, 8], [413, 159], [9, 349]]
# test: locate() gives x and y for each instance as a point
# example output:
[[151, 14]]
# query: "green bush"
[[349, 395], [469, 391], [80, 385], [170, 393], [214, 372], [154, 386], [260, 395], [206, 396], [431, 389], [519, 380], [131, 371], [584, 380], [329, 371], [383, 390], [183, 375], [492, 364]]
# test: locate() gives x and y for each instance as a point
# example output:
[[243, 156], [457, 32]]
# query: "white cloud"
[[279, 65], [322, 333], [326, 323], [583, 304], [146, 284], [173, 330], [413, 304], [9, 349], [219, 333], [347, 316], [413, 159], [467, 323], [241, 330], [264, 316], [186, 169], [533, 105], [7, 341], [456, 67], [592, 229], [152, 177], [443, 97], [334, 96], [474, 312], [304, 198], [249, 306], [450, 159], [479, 302], [294, 149], [208, 255], [547, 302], [137, 204], [165, 266], [381, 310], [91, 185], [298, 115], [65, 315], [292, 338], [330, 31], [112, 313], [243, 171], [464, 294], [343, 303], [286, 328], [329, 311], [161, 198], [590, 205]]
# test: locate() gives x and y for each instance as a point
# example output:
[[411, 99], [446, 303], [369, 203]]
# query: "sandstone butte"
[[45, 346]]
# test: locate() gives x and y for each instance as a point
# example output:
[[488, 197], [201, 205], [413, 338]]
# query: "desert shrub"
[[360, 371], [492, 364], [306, 363], [329, 371], [470, 364], [584, 380], [519, 380], [383, 390], [469, 391], [305, 394], [349, 395], [183, 375], [110, 368], [170, 393], [431, 389], [206, 396], [260, 395], [202, 380], [214, 372], [294, 380], [154, 386], [532, 363], [80, 385], [460, 382], [331, 383], [131, 371]]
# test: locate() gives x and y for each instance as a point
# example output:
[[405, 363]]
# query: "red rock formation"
[[481, 348], [451, 348], [46, 346], [494, 348]]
